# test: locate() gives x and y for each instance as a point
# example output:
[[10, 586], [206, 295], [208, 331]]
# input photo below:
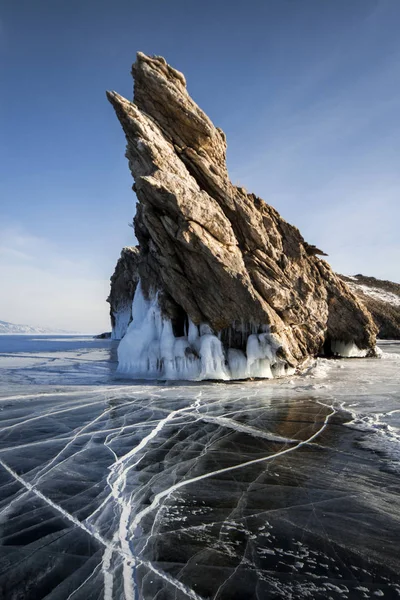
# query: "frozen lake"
[[268, 489]]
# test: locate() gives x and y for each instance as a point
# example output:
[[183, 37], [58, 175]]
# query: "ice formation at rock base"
[[120, 322], [349, 350], [151, 350]]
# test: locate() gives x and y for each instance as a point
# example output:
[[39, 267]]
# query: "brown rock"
[[123, 285], [213, 251]]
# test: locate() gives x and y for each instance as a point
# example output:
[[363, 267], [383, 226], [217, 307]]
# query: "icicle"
[[122, 318], [212, 358], [193, 332], [237, 364], [149, 349], [349, 350]]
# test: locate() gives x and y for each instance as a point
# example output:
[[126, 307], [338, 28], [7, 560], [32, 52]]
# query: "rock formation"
[[382, 299], [228, 289]]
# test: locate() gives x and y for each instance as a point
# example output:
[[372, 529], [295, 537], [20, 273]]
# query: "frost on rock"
[[150, 350]]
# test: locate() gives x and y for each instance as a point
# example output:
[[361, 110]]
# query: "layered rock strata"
[[228, 289]]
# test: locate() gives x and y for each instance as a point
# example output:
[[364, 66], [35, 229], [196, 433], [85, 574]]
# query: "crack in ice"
[[158, 497], [31, 488]]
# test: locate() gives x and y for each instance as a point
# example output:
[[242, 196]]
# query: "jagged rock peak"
[[213, 254]]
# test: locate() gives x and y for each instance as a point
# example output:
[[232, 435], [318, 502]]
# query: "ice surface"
[[383, 437], [199, 490], [149, 350]]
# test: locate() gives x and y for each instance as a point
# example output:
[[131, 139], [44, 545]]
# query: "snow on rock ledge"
[[382, 299], [211, 253]]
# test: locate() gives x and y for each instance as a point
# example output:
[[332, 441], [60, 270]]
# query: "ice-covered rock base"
[[150, 350], [122, 318], [347, 350]]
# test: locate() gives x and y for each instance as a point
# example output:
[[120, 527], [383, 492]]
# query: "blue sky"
[[307, 92]]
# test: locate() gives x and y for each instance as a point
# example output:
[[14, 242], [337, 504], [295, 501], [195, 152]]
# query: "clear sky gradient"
[[307, 92]]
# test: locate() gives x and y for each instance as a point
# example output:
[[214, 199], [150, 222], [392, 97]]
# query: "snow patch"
[[7, 328], [319, 369], [376, 293]]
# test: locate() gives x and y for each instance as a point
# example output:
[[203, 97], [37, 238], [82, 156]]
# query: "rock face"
[[214, 256], [123, 286], [382, 299]]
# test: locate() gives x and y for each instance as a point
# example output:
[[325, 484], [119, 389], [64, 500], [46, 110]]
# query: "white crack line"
[[177, 584], [117, 480], [158, 497]]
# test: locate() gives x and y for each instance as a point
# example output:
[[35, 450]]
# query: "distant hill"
[[13, 328], [382, 298]]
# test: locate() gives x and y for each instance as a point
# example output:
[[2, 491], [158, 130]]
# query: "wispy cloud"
[[42, 287], [326, 155]]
